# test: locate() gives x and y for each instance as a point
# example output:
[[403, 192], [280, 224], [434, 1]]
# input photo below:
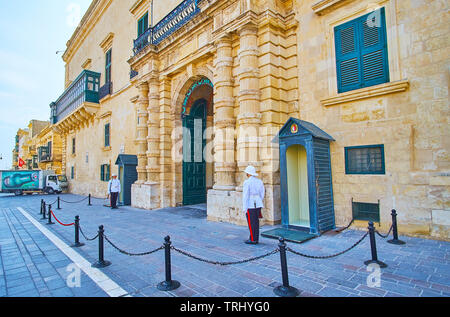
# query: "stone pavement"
[[31, 265]]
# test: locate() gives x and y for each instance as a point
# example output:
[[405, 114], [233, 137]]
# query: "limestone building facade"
[[213, 82]]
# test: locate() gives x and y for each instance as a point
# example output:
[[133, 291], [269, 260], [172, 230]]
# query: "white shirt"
[[253, 194], [114, 186]]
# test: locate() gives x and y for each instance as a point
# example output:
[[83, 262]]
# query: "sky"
[[31, 72]]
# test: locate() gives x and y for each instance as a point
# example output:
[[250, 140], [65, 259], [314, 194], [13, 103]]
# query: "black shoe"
[[251, 242]]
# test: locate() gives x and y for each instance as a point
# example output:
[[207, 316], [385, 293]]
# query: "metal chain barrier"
[[52, 202], [328, 256], [225, 263], [346, 227], [387, 235], [87, 237], [75, 202], [132, 254]]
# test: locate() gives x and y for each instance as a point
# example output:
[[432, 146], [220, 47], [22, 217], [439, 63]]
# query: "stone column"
[[64, 153], [224, 121], [153, 168], [142, 132], [165, 139], [249, 117]]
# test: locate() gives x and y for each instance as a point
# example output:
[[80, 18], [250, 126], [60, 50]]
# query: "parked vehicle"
[[29, 182]]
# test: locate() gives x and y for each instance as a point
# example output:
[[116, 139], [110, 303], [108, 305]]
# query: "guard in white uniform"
[[252, 199], [114, 191]]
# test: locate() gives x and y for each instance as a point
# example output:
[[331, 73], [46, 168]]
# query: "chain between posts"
[[129, 253], [87, 237], [74, 202], [52, 202], [328, 256], [225, 263], [387, 235]]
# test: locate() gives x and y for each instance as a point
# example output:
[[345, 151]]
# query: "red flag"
[[21, 162]]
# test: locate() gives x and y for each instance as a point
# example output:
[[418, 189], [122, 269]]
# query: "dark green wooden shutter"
[[366, 211], [108, 172], [374, 57], [143, 24], [347, 56], [107, 132], [361, 52], [108, 59], [102, 172]]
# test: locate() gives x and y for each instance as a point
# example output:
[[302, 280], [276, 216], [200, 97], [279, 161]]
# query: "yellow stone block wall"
[[49, 135], [280, 55], [90, 152], [412, 124], [109, 25]]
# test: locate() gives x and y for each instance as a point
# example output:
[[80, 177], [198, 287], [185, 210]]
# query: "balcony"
[[177, 18], [105, 90], [78, 103], [133, 74]]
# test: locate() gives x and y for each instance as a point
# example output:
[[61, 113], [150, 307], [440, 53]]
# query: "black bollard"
[[395, 240], [285, 290], [50, 215], [168, 284], [77, 233], [58, 206], [373, 247], [89, 200], [44, 207], [101, 261]]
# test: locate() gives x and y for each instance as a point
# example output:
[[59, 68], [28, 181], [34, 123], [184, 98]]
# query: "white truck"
[[22, 182]]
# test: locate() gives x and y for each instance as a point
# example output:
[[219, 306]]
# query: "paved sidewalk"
[[419, 268], [32, 266]]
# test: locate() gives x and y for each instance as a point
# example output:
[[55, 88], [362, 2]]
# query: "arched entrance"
[[197, 171]]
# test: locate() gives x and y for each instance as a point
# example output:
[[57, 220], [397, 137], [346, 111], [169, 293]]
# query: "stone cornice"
[[89, 20], [107, 42], [364, 93], [136, 6], [322, 6]]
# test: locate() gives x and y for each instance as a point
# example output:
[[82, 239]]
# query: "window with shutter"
[[107, 133], [108, 67], [361, 52], [143, 24]]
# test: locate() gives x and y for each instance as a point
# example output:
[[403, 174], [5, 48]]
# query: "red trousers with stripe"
[[253, 223]]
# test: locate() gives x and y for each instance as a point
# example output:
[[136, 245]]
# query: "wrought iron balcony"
[[133, 74], [178, 17], [105, 90], [84, 89]]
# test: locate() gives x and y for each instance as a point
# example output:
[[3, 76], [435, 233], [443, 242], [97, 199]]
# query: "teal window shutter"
[[348, 67], [107, 133], [102, 173], [361, 52], [374, 53], [143, 24], [108, 66]]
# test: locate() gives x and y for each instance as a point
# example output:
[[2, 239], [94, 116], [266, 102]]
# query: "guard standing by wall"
[[114, 191], [253, 197]]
